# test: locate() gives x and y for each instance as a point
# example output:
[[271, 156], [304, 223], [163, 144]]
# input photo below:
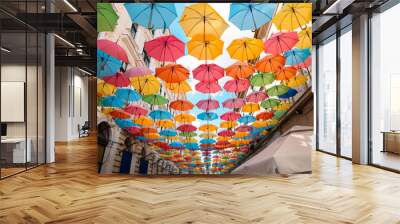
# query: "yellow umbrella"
[[179, 87], [305, 38], [282, 106], [245, 49], [228, 124], [272, 122], [223, 138], [152, 135], [104, 89], [172, 138], [146, 85], [165, 124], [293, 16], [188, 140], [144, 121], [264, 132], [241, 134], [208, 127], [207, 135], [205, 47], [297, 81], [201, 18], [107, 110], [184, 118], [260, 124], [250, 107]]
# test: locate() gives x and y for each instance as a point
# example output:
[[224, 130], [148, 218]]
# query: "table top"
[[391, 132], [13, 140]]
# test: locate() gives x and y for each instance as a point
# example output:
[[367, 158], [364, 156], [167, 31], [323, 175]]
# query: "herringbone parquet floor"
[[70, 191]]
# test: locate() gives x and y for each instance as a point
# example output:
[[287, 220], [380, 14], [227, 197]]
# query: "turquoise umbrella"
[[251, 16], [111, 101], [106, 64], [160, 114], [207, 116], [296, 56], [152, 15], [128, 95]]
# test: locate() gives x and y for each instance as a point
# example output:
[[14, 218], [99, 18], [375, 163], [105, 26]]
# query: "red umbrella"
[[186, 128], [119, 80], [118, 113], [244, 128], [113, 49], [223, 144], [208, 87], [133, 130], [233, 103], [280, 42], [265, 115], [240, 70], [181, 105], [208, 73], [271, 63], [165, 48], [256, 97], [208, 104], [172, 73], [237, 85], [138, 71], [231, 116], [226, 133], [136, 110]]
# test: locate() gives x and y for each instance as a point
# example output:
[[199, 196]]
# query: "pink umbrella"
[[237, 85], [133, 130], [256, 97], [118, 80], [280, 42], [208, 87], [208, 104], [226, 133], [165, 48], [136, 110], [244, 128], [304, 64], [231, 116], [186, 128], [138, 71], [233, 103], [113, 49], [208, 73]]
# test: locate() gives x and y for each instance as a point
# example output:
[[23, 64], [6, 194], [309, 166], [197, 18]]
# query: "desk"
[[391, 141], [13, 150]]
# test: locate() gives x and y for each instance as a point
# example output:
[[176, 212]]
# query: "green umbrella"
[[155, 99], [278, 114], [270, 103], [106, 17], [277, 90], [188, 134], [262, 79]]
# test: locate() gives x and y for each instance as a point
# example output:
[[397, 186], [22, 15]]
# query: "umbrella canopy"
[[172, 73], [144, 121], [230, 116], [264, 115], [245, 49], [106, 17], [290, 93], [155, 99], [250, 107], [208, 104], [226, 133], [138, 71], [256, 97], [168, 132], [127, 94], [271, 63], [208, 141], [165, 48], [179, 87], [208, 73], [280, 42], [208, 128], [205, 47], [296, 56], [148, 130], [133, 130], [119, 113], [124, 123], [237, 85], [186, 128], [228, 124], [292, 16], [277, 90], [165, 124], [262, 79], [177, 145], [296, 81], [136, 110], [104, 89], [207, 116], [181, 105], [305, 38], [145, 85], [107, 65], [240, 70], [233, 103], [208, 87], [304, 64], [286, 73], [118, 80], [208, 135], [201, 18], [188, 136], [152, 15], [184, 118], [244, 128], [113, 49], [111, 101], [270, 103], [251, 16], [247, 119], [160, 115]]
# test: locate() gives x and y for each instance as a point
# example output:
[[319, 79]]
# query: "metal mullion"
[[338, 95], [26, 87], [316, 97]]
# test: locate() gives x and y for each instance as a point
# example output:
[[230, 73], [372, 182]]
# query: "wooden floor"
[[70, 191]]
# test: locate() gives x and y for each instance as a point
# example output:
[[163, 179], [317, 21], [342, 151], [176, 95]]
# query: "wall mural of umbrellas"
[[199, 83]]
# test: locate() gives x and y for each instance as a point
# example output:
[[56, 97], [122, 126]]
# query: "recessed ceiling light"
[[64, 40], [70, 5], [5, 50]]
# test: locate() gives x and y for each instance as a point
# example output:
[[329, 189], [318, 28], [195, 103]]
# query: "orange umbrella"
[[264, 115], [251, 107], [172, 73], [181, 105], [144, 121], [228, 124], [271, 63], [223, 138], [118, 113], [205, 47], [286, 73], [179, 87], [260, 124], [148, 130], [184, 118], [208, 127], [240, 70], [165, 123]]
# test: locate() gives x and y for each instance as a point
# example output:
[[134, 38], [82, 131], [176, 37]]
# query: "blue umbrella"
[[207, 141], [192, 146], [290, 93], [207, 116], [250, 16], [127, 94], [106, 64], [296, 56], [124, 123], [176, 144], [141, 138], [168, 132], [152, 15], [247, 119], [160, 115], [111, 101]]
